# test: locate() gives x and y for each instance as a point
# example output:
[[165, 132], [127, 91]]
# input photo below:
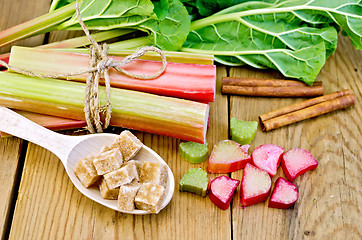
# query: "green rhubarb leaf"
[[171, 32], [277, 35], [59, 3], [108, 14], [195, 181], [161, 8]]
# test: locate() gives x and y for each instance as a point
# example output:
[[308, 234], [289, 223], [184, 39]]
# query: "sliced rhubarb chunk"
[[255, 186], [267, 157], [243, 132], [195, 181], [297, 161], [221, 191], [284, 195], [194, 152], [227, 156]]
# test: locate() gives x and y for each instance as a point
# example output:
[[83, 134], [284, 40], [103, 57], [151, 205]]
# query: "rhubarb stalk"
[[175, 57], [50, 122], [77, 41], [168, 116], [189, 81], [36, 26]]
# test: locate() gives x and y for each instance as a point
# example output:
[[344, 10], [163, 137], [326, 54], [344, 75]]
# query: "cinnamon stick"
[[270, 87], [307, 109]]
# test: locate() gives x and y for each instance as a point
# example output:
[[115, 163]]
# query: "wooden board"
[[49, 207], [10, 151], [11, 148]]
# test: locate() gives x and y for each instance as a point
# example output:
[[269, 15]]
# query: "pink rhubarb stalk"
[[188, 81], [50, 122]]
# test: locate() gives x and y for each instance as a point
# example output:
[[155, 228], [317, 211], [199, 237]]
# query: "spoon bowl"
[[70, 149]]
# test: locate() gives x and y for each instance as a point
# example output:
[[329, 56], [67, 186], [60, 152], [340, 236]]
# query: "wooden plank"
[[48, 199], [15, 12], [10, 151], [10, 148], [329, 204]]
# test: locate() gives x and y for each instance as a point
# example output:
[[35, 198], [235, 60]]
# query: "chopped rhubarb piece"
[[195, 181], [284, 195], [255, 186], [297, 161], [243, 132], [267, 157], [194, 152], [221, 191], [227, 156]]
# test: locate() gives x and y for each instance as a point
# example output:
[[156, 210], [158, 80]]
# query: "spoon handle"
[[19, 126]]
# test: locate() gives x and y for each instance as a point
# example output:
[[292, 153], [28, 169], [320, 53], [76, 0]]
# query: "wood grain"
[[10, 151], [10, 148], [329, 207]]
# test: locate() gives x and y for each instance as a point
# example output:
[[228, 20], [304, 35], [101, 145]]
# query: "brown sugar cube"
[[106, 192], [122, 176], [126, 196], [153, 172], [128, 143], [86, 172], [109, 161], [138, 165], [149, 197]]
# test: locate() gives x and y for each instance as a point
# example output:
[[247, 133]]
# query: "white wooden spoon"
[[70, 149]]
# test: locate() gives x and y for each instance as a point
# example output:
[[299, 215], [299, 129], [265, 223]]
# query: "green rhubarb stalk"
[[131, 43], [83, 40], [36, 26], [78, 41], [188, 81], [130, 109], [171, 56]]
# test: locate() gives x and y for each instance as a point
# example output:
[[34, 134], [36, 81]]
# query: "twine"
[[100, 64]]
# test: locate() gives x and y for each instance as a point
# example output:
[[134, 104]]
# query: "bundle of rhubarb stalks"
[[174, 104]]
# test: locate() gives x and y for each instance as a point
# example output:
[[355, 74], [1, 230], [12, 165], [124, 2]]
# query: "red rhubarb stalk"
[[50, 122], [188, 81]]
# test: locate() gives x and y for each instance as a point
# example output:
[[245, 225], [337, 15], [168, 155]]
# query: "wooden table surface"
[[38, 201]]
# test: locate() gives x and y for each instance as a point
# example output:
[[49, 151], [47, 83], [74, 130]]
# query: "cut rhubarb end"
[[227, 156], [296, 162], [267, 157], [255, 186], [221, 191], [284, 195]]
